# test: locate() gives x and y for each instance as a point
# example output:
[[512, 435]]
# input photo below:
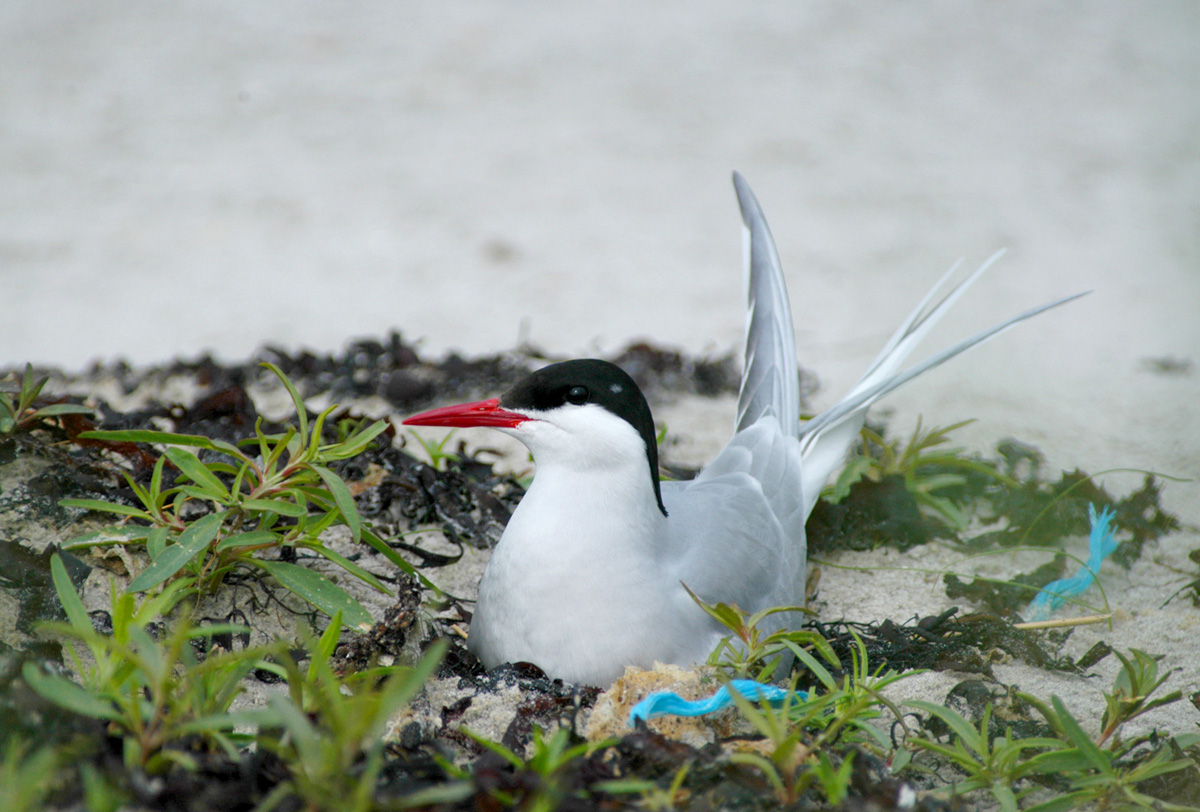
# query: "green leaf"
[[355, 443], [726, 615], [153, 606], [142, 494], [105, 507], [197, 492], [191, 543], [955, 516], [112, 534], [237, 471], [156, 482], [197, 472], [854, 471], [314, 445], [216, 722], [150, 436], [62, 408], [326, 644], [280, 506], [966, 733], [391, 555], [320, 497], [496, 747], [345, 501], [253, 538], [987, 469], [30, 388], [1006, 797], [1159, 765], [305, 736], [623, 786], [452, 792], [761, 615], [67, 694], [1080, 739], [813, 665], [152, 660], [318, 590], [297, 401], [350, 567], [68, 597], [271, 456], [766, 766], [156, 542], [1064, 803]]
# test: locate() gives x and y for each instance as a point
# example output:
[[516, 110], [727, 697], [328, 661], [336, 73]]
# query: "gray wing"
[[739, 537], [737, 551]]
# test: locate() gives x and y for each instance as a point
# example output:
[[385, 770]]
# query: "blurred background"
[[177, 178]]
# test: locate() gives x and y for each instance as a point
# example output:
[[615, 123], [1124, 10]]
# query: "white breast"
[[583, 535]]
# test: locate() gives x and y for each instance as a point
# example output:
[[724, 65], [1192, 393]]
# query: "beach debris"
[[1101, 544]]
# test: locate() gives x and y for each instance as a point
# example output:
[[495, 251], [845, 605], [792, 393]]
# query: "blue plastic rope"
[[1100, 545], [664, 703]]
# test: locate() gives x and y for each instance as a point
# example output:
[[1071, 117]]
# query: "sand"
[[180, 179]]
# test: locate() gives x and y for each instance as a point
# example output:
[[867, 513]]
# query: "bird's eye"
[[577, 395]]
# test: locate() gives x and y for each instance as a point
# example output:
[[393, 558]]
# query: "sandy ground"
[[189, 177]]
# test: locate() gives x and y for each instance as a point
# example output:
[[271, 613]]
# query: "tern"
[[589, 575]]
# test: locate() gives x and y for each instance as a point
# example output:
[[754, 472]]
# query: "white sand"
[[175, 178]]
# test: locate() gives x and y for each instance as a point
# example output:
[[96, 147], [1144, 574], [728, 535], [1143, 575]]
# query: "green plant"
[[26, 775], [838, 710], [924, 470], [99, 795], [651, 796], [1130, 696], [1103, 775], [436, 449], [152, 692], [20, 415], [856, 698], [750, 652], [281, 494], [329, 730], [1094, 773], [551, 755], [995, 765], [802, 733], [783, 768]]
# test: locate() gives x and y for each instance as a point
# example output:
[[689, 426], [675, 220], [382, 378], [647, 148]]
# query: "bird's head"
[[583, 415]]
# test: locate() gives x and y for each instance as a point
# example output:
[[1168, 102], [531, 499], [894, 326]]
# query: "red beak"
[[465, 415]]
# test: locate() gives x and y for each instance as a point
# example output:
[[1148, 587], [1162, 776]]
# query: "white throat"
[[592, 488]]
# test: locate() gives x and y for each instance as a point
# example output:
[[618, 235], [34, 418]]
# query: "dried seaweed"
[[939, 643], [27, 575], [873, 515], [388, 637]]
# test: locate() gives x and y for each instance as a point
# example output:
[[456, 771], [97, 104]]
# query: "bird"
[[596, 569]]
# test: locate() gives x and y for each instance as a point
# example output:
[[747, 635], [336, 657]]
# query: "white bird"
[[588, 576]]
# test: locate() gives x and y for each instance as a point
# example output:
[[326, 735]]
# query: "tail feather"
[[825, 443], [770, 379], [825, 439]]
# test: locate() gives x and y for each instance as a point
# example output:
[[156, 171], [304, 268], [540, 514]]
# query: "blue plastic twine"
[[1100, 545], [664, 703]]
